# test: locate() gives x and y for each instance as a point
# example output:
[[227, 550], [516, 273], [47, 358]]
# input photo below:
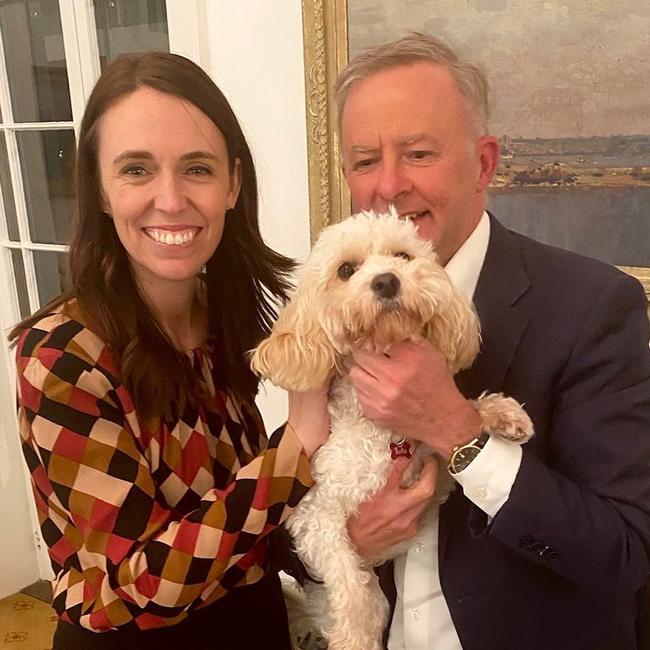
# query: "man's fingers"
[[424, 487], [372, 363], [361, 377], [396, 472]]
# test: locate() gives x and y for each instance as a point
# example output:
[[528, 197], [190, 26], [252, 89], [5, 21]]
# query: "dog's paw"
[[505, 417]]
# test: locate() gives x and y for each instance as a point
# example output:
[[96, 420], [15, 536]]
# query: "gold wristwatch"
[[463, 455]]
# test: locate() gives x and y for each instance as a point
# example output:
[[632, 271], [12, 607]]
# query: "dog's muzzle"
[[385, 285]]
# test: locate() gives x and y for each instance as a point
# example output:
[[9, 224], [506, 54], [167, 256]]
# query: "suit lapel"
[[502, 282]]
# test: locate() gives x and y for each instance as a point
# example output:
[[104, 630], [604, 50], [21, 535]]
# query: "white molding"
[[74, 62], [7, 115], [30, 280], [4, 221], [5, 94], [34, 246], [81, 50], [9, 306], [187, 28], [36, 126]]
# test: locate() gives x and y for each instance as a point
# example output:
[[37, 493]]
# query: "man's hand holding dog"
[[411, 391], [391, 516]]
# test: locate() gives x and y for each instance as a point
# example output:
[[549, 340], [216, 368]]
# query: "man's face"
[[407, 141]]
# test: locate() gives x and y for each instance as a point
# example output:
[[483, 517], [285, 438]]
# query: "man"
[[543, 546]]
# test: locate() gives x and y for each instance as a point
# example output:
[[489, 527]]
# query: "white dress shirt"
[[422, 620]]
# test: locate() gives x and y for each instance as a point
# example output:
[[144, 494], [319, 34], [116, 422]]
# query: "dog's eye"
[[403, 254], [346, 271]]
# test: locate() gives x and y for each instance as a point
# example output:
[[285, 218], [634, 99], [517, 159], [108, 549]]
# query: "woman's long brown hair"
[[245, 279]]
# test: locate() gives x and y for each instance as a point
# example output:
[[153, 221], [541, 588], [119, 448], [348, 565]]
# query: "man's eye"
[[404, 255], [364, 164], [346, 270], [419, 154]]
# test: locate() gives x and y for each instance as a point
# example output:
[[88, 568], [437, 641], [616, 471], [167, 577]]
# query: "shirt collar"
[[466, 264]]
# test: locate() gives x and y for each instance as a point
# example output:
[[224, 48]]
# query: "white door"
[[51, 52]]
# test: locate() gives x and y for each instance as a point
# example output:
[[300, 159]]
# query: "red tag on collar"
[[400, 450]]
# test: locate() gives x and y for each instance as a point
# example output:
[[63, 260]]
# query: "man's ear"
[[488, 151]]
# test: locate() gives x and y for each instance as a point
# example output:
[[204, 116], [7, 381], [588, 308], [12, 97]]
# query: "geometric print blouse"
[[144, 522]]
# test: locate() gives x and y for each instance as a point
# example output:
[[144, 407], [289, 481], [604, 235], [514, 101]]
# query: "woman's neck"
[[180, 311]]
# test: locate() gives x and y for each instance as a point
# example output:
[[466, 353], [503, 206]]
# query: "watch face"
[[463, 457]]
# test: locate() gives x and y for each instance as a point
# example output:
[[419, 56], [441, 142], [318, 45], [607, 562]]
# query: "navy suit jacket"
[[562, 564]]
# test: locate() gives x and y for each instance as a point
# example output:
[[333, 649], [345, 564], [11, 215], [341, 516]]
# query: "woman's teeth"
[[176, 238]]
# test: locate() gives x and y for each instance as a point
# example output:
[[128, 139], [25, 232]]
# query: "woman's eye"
[[134, 170], [404, 255], [346, 270], [199, 170]]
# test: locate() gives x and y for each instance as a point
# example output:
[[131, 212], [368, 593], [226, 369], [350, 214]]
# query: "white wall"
[[255, 55]]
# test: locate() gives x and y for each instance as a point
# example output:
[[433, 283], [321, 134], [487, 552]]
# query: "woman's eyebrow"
[[200, 154], [146, 155], [128, 155]]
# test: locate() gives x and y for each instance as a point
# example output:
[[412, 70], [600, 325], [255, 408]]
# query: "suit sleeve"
[[586, 513]]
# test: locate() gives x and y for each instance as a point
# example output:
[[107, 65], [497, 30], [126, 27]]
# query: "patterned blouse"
[[144, 523]]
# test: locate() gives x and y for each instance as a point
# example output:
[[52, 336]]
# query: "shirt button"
[[415, 615], [480, 493], [419, 548]]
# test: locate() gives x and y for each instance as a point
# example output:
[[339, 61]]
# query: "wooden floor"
[[27, 621]]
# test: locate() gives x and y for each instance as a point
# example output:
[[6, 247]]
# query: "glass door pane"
[[51, 274], [36, 68], [130, 26], [47, 163]]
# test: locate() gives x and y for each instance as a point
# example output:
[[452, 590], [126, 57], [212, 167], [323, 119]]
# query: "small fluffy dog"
[[369, 282]]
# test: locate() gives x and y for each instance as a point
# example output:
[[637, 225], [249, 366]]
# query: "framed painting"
[[570, 105]]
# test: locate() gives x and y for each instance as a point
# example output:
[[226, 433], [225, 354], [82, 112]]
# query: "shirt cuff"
[[488, 479]]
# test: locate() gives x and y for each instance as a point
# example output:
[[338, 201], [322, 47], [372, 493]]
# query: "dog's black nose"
[[385, 285]]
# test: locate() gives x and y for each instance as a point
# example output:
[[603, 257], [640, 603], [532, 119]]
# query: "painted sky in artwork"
[[557, 68]]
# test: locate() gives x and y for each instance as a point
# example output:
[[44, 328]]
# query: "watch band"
[[463, 455]]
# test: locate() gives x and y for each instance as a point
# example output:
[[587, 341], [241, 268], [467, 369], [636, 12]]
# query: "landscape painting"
[[570, 104]]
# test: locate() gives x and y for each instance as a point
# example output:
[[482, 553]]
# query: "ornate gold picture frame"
[[326, 52], [325, 31]]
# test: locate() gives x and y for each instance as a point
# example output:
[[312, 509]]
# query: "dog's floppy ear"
[[455, 331], [298, 354]]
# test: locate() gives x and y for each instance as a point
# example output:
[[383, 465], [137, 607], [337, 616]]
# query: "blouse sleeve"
[[122, 553]]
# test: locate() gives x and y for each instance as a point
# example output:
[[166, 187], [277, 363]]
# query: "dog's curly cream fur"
[[329, 315]]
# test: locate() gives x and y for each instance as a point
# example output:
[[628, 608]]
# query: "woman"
[[155, 484]]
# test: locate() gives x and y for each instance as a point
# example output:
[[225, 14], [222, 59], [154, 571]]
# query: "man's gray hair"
[[416, 47]]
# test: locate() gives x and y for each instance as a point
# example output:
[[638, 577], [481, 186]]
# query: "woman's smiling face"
[[166, 182]]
